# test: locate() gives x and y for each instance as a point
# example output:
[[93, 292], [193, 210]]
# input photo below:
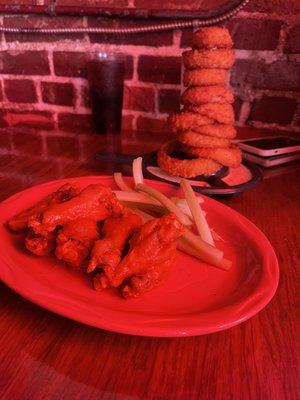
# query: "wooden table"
[[45, 356]]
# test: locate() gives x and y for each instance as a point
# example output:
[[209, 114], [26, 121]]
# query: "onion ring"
[[184, 168], [195, 139], [230, 156], [222, 113], [187, 120], [205, 77], [218, 130], [210, 94], [212, 37], [208, 59]]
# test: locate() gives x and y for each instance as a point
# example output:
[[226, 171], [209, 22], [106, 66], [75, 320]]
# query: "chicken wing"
[[66, 192], [75, 240], [107, 252], [152, 252], [38, 244], [96, 202]]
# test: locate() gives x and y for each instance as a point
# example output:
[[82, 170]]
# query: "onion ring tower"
[[205, 126]]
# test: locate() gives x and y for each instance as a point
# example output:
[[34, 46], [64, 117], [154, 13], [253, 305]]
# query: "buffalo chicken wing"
[[64, 193], [38, 244], [107, 252], [75, 240], [152, 252], [115, 233], [96, 202]]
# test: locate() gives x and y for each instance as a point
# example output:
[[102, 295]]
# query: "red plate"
[[196, 299]]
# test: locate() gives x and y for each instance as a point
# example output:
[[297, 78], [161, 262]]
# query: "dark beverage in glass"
[[106, 81]]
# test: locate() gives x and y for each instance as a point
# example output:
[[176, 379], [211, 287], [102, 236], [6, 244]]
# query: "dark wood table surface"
[[46, 356]]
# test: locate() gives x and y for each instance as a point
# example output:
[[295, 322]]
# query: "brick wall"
[[43, 78]]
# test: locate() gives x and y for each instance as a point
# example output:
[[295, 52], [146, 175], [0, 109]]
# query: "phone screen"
[[273, 143]]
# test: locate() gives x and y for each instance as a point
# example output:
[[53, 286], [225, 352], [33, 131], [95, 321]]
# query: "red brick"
[[62, 146], [16, 2], [75, 122], [20, 90], [5, 140], [3, 121], [169, 100], [24, 62], [292, 44], [127, 122], [274, 6], [24, 6], [33, 119], [151, 124], [248, 34], [159, 69], [279, 75], [34, 4], [128, 67], [186, 38], [193, 5], [73, 64], [24, 2], [94, 3], [27, 143], [279, 110], [138, 98], [156, 39], [254, 34], [38, 21], [70, 63], [58, 93]]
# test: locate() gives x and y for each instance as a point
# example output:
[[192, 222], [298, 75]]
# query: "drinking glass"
[[106, 81]]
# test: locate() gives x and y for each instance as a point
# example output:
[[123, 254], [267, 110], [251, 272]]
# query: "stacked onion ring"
[[204, 127]]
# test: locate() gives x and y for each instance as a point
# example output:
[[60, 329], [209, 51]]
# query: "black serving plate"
[[217, 186]]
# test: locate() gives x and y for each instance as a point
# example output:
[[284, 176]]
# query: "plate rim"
[[269, 265]]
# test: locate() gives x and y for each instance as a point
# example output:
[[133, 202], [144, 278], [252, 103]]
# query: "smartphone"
[[271, 161], [270, 146]]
